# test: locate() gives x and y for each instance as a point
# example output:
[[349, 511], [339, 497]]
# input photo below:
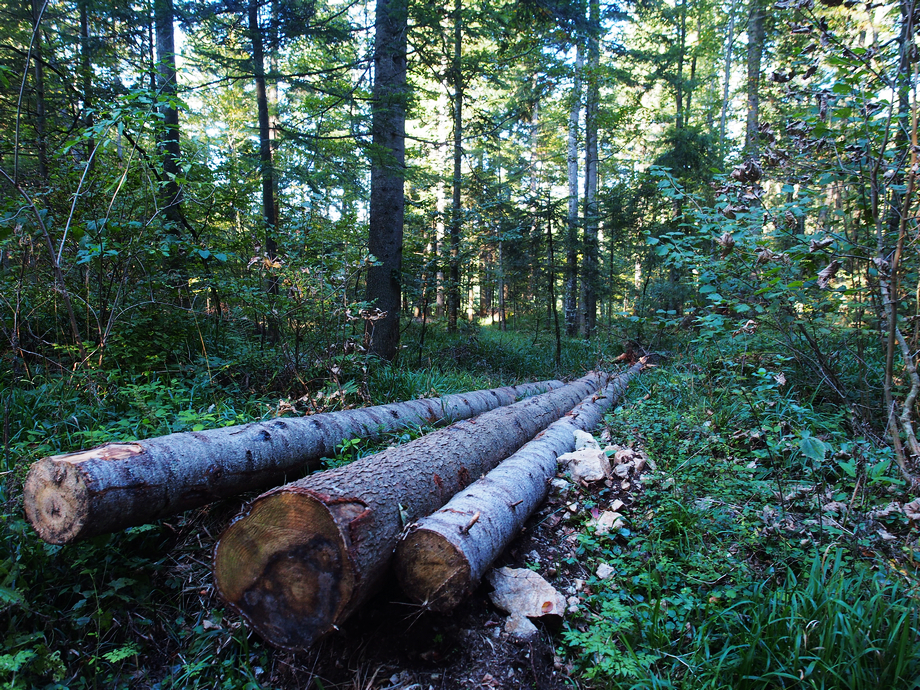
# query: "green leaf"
[[849, 467], [813, 448], [204, 253], [121, 653]]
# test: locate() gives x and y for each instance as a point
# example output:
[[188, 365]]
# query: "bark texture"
[[117, 485], [756, 34], [171, 192], [388, 170], [441, 558], [301, 558], [570, 304], [590, 277]]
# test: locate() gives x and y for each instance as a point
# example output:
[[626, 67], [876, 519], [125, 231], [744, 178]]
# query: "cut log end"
[[285, 567], [432, 571], [56, 500]]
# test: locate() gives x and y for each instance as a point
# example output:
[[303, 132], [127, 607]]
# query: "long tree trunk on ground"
[[590, 278], [303, 556], [170, 191], [456, 217], [117, 485], [570, 305], [388, 200], [442, 557], [756, 34]]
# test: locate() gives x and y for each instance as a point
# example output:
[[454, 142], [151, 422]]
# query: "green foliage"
[[738, 570]]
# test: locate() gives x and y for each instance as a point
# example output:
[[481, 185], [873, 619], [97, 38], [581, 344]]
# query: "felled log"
[[117, 485], [442, 557], [301, 558]]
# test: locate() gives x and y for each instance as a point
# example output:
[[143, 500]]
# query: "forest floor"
[[766, 544], [390, 644]]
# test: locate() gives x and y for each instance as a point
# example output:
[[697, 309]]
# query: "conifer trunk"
[[117, 485], [302, 557], [570, 304], [40, 118], [388, 200], [592, 103], [456, 215], [756, 34], [170, 192]]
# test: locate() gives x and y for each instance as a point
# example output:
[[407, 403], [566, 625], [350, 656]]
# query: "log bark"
[[302, 557], [441, 558], [117, 485]]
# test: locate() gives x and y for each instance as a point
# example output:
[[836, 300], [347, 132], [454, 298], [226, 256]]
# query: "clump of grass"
[[831, 628]]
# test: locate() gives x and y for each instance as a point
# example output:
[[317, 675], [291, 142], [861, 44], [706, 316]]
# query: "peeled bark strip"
[[442, 557], [301, 558], [117, 485]]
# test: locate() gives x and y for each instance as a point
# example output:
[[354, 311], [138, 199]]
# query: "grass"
[[735, 573]]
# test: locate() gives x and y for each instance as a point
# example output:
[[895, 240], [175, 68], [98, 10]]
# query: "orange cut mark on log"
[[108, 451]]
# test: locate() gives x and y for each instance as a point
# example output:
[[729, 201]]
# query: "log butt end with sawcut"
[[433, 571], [285, 567], [56, 501], [61, 494]]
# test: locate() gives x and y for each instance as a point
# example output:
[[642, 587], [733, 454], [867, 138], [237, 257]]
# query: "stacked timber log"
[[117, 485], [302, 557], [441, 558]]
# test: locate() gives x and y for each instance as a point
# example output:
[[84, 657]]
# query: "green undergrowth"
[[762, 552]]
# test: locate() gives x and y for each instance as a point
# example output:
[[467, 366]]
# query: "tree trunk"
[[590, 260], [456, 218], [726, 78], [441, 558], [388, 200], [269, 210], [170, 191], [679, 118], [501, 286], [86, 75], [570, 306], [302, 557], [755, 31], [117, 485], [551, 280], [40, 119]]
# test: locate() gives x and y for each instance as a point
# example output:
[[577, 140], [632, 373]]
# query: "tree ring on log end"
[[285, 567], [432, 571], [55, 498]]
